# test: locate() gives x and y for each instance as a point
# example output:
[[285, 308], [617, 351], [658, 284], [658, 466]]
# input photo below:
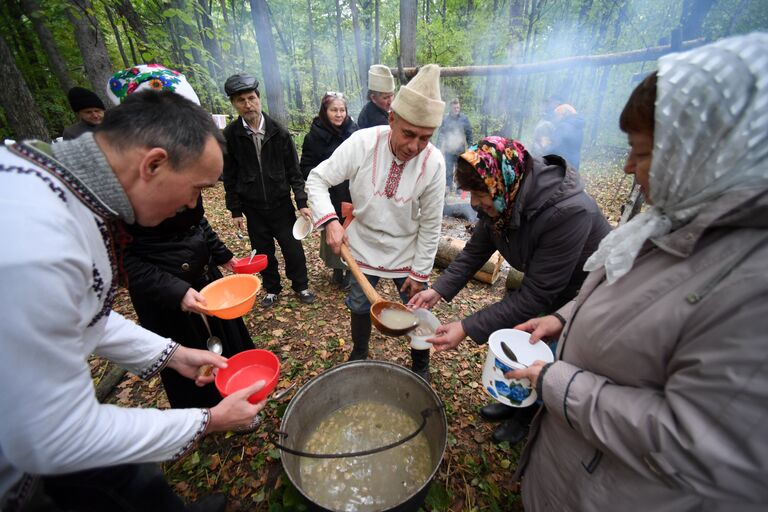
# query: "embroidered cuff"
[[159, 363], [418, 277], [325, 219], [198, 435]]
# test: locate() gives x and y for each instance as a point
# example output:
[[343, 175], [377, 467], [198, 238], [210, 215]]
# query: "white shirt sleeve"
[[340, 166], [51, 420], [430, 223]]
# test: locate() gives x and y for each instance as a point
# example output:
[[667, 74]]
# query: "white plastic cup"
[[427, 321], [302, 228]]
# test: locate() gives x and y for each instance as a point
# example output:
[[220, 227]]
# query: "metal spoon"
[[280, 394], [508, 352], [214, 344]]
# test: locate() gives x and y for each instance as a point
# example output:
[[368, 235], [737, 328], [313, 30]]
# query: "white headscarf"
[[710, 137]]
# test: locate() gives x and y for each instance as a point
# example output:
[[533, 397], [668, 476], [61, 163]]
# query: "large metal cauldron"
[[353, 382]]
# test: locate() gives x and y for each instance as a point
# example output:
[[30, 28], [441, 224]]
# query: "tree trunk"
[[210, 41], [130, 42], [32, 10], [90, 40], [447, 250], [292, 74], [21, 112], [269, 66], [145, 51], [315, 99], [186, 31], [119, 42], [377, 36], [408, 15], [692, 18], [361, 67], [340, 50]]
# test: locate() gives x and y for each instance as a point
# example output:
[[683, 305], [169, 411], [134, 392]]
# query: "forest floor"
[[475, 474]]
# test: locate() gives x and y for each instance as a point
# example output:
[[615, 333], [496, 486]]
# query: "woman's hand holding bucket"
[[235, 412]]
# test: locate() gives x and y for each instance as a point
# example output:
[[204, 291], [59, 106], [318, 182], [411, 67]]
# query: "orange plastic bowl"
[[258, 264], [246, 368], [232, 296]]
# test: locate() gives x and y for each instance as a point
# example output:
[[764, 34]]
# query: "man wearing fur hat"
[[89, 110], [381, 90], [397, 182]]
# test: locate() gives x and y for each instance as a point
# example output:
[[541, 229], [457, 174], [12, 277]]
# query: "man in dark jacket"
[[89, 110], [454, 137], [550, 230], [381, 91], [261, 168], [568, 134]]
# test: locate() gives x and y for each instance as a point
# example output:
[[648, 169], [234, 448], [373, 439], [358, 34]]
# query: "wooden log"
[[110, 379], [607, 59], [514, 279], [447, 250]]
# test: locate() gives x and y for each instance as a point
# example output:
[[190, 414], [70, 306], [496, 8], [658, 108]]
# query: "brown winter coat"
[[659, 398]]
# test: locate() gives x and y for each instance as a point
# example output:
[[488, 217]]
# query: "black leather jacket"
[[265, 186], [164, 261]]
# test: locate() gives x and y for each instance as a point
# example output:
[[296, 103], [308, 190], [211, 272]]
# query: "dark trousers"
[[450, 167], [266, 226], [125, 488]]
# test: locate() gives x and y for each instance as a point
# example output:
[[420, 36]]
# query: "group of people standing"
[[657, 392]]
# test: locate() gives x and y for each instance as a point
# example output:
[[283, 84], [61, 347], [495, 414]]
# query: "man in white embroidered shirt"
[[397, 182]]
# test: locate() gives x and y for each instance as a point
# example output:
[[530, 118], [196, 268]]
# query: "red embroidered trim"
[[425, 277], [382, 269], [393, 179], [375, 158], [325, 218]]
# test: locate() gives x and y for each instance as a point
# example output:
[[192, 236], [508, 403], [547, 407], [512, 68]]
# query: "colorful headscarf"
[[148, 77], [501, 164]]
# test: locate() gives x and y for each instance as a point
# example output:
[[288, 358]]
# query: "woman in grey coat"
[[657, 399]]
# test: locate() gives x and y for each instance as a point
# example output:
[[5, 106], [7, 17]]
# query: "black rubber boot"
[[338, 277], [420, 363], [361, 334]]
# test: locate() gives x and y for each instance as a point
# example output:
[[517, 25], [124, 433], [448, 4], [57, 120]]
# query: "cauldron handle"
[[275, 435]]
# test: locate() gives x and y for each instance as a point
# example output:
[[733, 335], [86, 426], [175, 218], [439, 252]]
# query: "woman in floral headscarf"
[[536, 214]]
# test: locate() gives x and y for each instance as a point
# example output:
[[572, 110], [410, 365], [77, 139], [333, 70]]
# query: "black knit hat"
[[80, 98]]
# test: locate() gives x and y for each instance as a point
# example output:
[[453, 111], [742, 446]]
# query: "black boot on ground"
[[498, 412], [361, 335], [338, 277], [516, 429], [420, 363]]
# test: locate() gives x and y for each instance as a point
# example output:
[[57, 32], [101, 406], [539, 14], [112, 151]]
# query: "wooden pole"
[[607, 59]]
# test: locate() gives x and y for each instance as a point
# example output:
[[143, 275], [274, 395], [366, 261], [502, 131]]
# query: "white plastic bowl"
[[427, 321], [302, 228]]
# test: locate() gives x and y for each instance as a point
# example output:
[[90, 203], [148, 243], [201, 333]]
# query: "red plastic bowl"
[[244, 369], [258, 264]]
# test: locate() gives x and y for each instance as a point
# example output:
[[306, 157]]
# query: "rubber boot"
[[420, 363], [361, 334], [338, 277]]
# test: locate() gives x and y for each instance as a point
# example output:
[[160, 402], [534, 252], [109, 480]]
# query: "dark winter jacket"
[[164, 261], [454, 132], [555, 227], [372, 115], [319, 144], [77, 129], [567, 138], [245, 182]]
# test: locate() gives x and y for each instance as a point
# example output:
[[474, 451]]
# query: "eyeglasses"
[[334, 94]]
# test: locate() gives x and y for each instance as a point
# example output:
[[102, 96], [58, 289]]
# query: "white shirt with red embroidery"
[[398, 206]]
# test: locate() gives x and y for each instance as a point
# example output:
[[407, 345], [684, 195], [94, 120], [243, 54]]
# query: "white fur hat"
[[380, 79], [418, 102], [148, 77]]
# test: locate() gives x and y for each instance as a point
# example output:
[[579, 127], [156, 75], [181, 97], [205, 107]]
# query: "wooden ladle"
[[377, 303]]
